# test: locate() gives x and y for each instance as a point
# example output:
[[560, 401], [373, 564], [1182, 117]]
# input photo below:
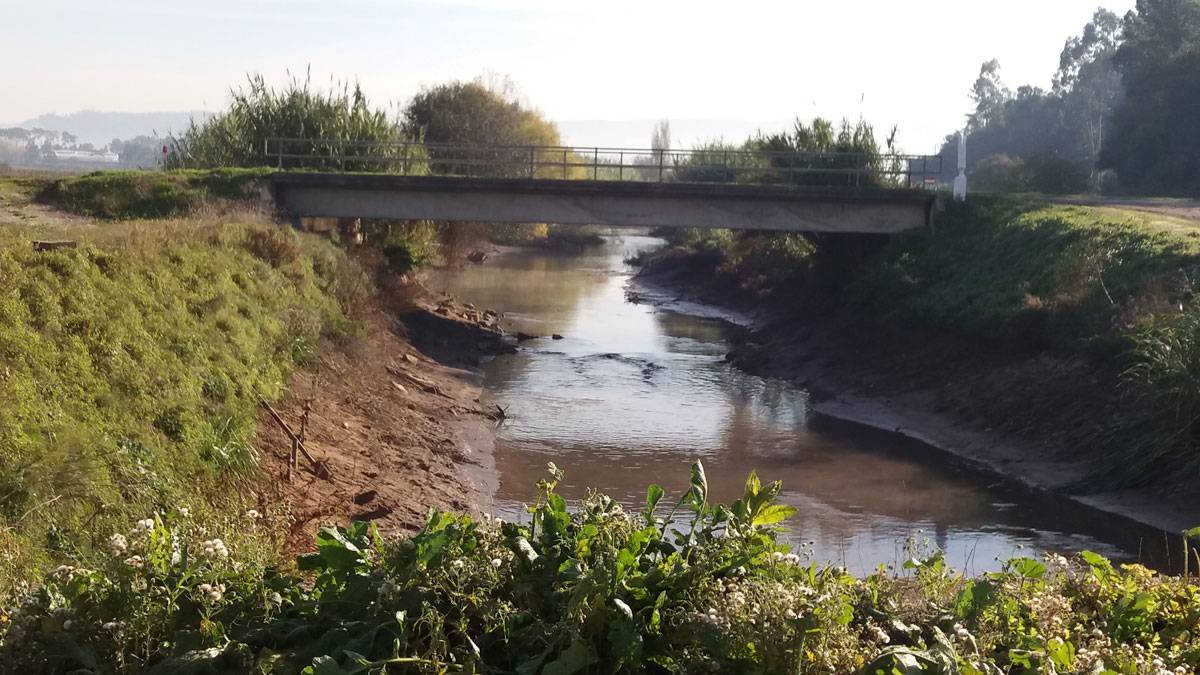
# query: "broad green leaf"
[[572, 660], [324, 665], [653, 494], [774, 513]]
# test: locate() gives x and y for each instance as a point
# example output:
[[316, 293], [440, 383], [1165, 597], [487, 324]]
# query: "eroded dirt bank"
[[394, 420], [1030, 417]]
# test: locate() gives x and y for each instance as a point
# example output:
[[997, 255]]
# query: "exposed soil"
[[1033, 417], [395, 430], [18, 205]]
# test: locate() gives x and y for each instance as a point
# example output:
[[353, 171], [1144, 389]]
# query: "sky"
[[908, 64]]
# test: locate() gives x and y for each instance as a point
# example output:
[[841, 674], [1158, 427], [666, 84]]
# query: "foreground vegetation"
[[589, 589], [131, 369]]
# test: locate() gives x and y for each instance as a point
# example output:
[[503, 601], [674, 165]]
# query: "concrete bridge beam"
[[751, 207]]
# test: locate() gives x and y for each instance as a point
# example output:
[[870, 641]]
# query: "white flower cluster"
[[212, 593], [143, 526], [117, 544], [388, 591], [214, 549], [252, 514], [135, 561], [878, 635], [790, 558], [63, 572]]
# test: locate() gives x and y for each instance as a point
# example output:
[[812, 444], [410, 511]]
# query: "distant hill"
[[93, 126], [685, 134]]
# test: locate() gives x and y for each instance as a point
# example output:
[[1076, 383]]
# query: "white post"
[[960, 181]]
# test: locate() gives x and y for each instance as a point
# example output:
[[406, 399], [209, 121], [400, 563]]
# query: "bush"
[[687, 587], [240, 136]]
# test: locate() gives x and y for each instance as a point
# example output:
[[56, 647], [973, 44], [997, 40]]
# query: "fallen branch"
[[320, 469]]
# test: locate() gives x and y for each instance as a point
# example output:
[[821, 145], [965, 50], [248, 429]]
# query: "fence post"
[[621, 167], [661, 154], [595, 163], [532, 154], [564, 164]]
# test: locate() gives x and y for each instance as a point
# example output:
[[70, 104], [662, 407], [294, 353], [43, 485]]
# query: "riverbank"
[[1044, 416], [143, 362], [394, 421]]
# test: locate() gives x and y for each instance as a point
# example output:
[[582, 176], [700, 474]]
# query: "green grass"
[[1028, 275], [124, 195], [130, 369], [681, 586]]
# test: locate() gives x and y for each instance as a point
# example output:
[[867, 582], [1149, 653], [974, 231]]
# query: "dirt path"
[[17, 205], [1175, 213], [398, 431]]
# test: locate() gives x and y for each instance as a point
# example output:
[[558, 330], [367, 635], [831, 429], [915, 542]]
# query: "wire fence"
[[849, 169]]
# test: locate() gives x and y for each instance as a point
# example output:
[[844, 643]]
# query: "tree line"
[[1122, 116]]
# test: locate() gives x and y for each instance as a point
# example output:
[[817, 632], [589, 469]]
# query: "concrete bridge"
[[814, 192]]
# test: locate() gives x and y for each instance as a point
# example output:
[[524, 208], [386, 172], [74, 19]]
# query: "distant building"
[[86, 156]]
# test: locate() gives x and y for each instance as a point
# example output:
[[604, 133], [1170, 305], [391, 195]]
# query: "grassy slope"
[[150, 194], [1024, 275], [130, 367]]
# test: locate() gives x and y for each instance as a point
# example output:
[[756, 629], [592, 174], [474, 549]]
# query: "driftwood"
[[54, 244], [425, 385], [319, 468]]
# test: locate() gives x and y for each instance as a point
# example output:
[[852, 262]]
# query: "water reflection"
[[633, 394]]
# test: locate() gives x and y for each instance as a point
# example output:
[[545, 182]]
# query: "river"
[[632, 394]]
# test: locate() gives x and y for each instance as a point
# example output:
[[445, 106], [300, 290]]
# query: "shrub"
[[275, 246]]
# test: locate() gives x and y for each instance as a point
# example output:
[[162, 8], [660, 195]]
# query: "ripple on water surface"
[[634, 393]]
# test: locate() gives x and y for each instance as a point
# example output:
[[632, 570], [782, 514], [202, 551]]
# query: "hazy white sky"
[[906, 63]]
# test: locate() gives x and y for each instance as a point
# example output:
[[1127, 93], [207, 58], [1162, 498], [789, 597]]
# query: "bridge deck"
[[611, 203]]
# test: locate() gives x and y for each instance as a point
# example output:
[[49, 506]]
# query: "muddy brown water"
[[634, 392]]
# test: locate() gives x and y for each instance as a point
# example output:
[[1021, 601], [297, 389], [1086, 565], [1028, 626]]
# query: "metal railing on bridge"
[[833, 169]]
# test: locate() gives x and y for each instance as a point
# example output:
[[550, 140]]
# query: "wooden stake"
[[319, 468]]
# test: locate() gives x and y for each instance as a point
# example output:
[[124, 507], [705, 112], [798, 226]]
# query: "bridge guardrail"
[[850, 169]]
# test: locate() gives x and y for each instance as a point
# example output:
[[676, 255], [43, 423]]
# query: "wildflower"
[[143, 526], [275, 598], [135, 562], [214, 548], [112, 626], [879, 635], [496, 562], [777, 556], [117, 544], [792, 558], [253, 514], [184, 511], [212, 593], [457, 564]]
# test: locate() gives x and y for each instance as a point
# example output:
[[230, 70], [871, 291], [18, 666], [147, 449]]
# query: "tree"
[[1090, 85], [989, 95], [497, 130], [1154, 139]]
